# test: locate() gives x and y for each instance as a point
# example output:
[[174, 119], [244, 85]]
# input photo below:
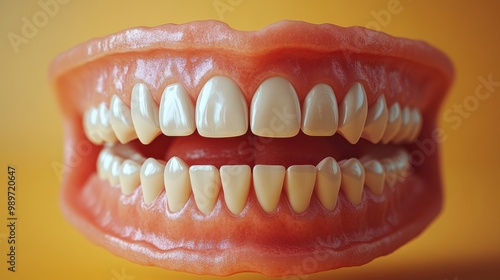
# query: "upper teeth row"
[[221, 111], [205, 181]]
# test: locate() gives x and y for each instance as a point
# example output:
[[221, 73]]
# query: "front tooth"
[[102, 159], [353, 179], [221, 109], [268, 182], [176, 112], [275, 109], [129, 176], [91, 125], [328, 180], [151, 179], [417, 120], [405, 126], [320, 112], [114, 170], [104, 124], [374, 176], [299, 186], [236, 185], [121, 120], [205, 181], [393, 124], [144, 114], [376, 121], [352, 113], [177, 184]]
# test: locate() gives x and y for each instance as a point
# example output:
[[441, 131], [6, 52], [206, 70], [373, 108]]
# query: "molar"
[[151, 179], [236, 185], [121, 120], [206, 184], [353, 179], [176, 112], [275, 109], [320, 112], [268, 183], [352, 113], [299, 186], [177, 183], [328, 178], [376, 121], [144, 114]]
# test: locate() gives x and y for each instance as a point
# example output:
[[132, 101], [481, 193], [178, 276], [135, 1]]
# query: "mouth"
[[294, 149]]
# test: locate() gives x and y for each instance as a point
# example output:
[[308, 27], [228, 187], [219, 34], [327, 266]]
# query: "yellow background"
[[462, 243]]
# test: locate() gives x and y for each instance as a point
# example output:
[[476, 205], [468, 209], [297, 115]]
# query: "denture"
[[288, 150]]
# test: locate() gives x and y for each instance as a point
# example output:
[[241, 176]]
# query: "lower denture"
[[213, 157]]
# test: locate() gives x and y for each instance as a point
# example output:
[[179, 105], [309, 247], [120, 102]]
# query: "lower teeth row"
[[129, 170]]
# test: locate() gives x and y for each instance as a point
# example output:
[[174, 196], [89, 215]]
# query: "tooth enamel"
[[205, 181], [390, 172], [121, 120], [151, 179], [236, 185], [103, 164], [328, 182], [405, 126], [129, 176], [144, 114], [91, 125], [374, 176], [299, 186], [376, 121], [320, 112], [176, 112], [352, 113], [275, 109], [177, 183], [104, 125], [393, 124], [221, 109], [417, 127], [114, 170], [268, 182], [353, 178]]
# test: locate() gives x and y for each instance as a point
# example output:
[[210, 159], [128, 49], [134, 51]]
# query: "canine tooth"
[[114, 170], [417, 121], [353, 179], [121, 120], [236, 185], [205, 181], [405, 126], [104, 124], [374, 176], [275, 109], [176, 112], [221, 109], [376, 121], [268, 182], [151, 179], [393, 124], [177, 183], [299, 186], [320, 112], [129, 176], [352, 113], [327, 184], [91, 125], [144, 114]]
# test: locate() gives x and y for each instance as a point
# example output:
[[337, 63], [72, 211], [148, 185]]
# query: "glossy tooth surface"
[[376, 121], [236, 185], [299, 186], [104, 124], [393, 124], [374, 176], [91, 125], [353, 179], [390, 172], [144, 114], [327, 184], [275, 109], [221, 109], [104, 164], [320, 114], [114, 170], [405, 128], [268, 183], [205, 181], [151, 179], [352, 113], [121, 120], [176, 112], [177, 183], [129, 176], [417, 125]]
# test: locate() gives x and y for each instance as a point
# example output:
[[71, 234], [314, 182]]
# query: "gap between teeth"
[[222, 111], [123, 167]]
